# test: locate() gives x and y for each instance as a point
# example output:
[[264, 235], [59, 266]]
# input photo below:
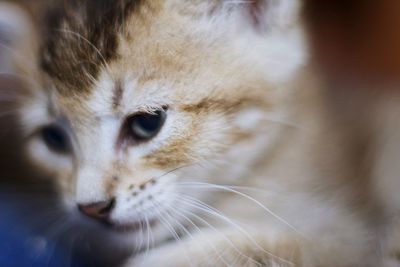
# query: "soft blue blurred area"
[[20, 246]]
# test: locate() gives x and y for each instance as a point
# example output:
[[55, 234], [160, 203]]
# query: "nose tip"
[[100, 210]]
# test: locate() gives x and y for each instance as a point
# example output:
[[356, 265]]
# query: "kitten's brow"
[[118, 94], [227, 105]]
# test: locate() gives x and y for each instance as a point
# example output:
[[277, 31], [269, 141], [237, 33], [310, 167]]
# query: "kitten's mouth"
[[132, 227]]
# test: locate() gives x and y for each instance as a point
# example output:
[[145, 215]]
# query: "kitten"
[[166, 120]]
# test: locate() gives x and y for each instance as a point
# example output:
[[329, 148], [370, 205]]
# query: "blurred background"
[[355, 52]]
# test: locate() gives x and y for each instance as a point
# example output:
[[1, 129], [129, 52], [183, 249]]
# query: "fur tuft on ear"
[[263, 15], [266, 14], [257, 12]]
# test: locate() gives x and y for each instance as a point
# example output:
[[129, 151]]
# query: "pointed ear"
[[263, 15], [16, 36], [267, 14], [277, 23]]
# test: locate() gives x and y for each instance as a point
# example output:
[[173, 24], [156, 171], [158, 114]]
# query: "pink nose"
[[100, 210]]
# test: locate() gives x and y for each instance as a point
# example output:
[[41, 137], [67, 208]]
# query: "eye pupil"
[[145, 126], [56, 139], [148, 122]]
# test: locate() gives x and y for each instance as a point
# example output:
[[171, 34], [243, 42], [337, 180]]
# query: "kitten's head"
[[142, 100]]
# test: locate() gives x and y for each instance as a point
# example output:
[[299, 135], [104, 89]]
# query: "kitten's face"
[[139, 105]]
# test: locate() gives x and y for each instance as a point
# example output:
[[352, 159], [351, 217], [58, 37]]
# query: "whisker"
[[212, 211], [20, 77], [255, 201], [187, 232], [62, 230], [61, 224], [171, 230], [3, 45], [150, 235], [216, 231], [141, 234], [71, 250], [80, 36], [175, 169], [275, 118], [199, 231], [16, 55], [148, 238]]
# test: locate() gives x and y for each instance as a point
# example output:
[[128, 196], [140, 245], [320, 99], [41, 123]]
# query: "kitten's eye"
[[144, 126], [56, 139]]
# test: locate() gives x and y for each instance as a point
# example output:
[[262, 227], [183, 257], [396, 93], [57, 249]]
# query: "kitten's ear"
[[18, 51], [16, 36], [262, 15]]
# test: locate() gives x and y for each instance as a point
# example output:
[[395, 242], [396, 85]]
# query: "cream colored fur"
[[248, 172]]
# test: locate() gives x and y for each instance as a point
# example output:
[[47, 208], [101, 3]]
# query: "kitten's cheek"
[[47, 161]]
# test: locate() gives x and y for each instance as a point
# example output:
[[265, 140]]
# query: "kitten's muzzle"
[[100, 211]]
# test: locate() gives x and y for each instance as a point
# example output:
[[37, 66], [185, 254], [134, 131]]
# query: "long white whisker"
[[255, 201], [212, 211], [148, 235], [141, 234], [215, 230], [274, 118], [175, 169], [171, 229], [148, 239], [171, 209]]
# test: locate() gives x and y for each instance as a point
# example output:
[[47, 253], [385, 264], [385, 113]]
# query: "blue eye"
[[145, 126], [56, 139]]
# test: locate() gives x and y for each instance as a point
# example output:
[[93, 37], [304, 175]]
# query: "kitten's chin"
[[133, 227], [104, 231], [141, 235], [129, 235], [126, 235]]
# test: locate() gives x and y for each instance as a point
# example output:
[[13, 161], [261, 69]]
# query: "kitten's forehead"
[[84, 38], [124, 38], [81, 38], [165, 42]]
